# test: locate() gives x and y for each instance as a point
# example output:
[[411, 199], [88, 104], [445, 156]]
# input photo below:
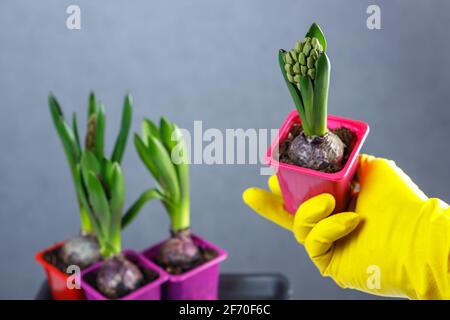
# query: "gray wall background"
[[213, 61]]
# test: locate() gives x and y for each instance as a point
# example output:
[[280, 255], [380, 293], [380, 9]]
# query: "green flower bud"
[[310, 62], [294, 55], [306, 48], [90, 135], [303, 70], [288, 68], [290, 78], [288, 58], [302, 59], [315, 43]]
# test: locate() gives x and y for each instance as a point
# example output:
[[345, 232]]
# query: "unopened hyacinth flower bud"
[[301, 60]]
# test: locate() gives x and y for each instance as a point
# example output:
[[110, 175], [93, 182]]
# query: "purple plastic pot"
[[298, 184], [151, 291], [201, 283]]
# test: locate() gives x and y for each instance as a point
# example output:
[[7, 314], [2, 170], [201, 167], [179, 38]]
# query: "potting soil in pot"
[[148, 277], [54, 258], [345, 135], [206, 255]]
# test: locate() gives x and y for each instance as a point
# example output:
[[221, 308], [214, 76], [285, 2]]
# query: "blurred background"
[[214, 61]]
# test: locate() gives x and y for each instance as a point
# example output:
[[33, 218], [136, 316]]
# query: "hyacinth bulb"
[[118, 276], [82, 251], [316, 152], [179, 250]]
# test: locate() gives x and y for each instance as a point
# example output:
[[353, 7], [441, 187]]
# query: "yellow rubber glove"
[[396, 242]]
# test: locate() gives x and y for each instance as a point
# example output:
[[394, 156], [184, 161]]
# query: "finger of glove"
[[310, 213], [326, 232], [274, 186], [268, 205]]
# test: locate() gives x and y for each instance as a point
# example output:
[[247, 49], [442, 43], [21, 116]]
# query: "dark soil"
[[149, 276], [347, 136], [53, 257], [205, 256]]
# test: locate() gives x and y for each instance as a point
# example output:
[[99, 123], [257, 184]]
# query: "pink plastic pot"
[[151, 291], [57, 280], [201, 283], [299, 184]]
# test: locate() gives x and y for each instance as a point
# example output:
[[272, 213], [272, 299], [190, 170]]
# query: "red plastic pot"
[[200, 283], [57, 280], [151, 291], [298, 184]]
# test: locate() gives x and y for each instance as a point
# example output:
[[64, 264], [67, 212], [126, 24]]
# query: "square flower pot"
[[150, 291], [57, 280], [298, 184], [200, 283]]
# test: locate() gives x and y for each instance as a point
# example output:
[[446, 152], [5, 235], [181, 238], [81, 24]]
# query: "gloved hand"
[[396, 242]]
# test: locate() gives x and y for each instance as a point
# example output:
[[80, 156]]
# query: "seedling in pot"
[[101, 187], [313, 152], [83, 250], [306, 70], [164, 153]]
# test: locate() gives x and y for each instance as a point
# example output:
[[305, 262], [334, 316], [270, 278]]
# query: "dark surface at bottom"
[[233, 287]]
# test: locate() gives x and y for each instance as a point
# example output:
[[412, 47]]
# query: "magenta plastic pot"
[[151, 291], [298, 184], [201, 283]]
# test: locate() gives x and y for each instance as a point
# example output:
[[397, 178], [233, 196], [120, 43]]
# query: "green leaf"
[[65, 133], [149, 129], [295, 93], [92, 104], [100, 131], [89, 163], [158, 161], [107, 172], [181, 163], [322, 83], [117, 190], [83, 196], [181, 217], [99, 202], [165, 131], [133, 211], [315, 31], [307, 90], [141, 149], [55, 109], [75, 131], [121, 140], [117, 201]]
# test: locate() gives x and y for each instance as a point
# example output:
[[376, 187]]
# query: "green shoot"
[[164, 153], [94, 142], [101, 189], [306, 70]]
